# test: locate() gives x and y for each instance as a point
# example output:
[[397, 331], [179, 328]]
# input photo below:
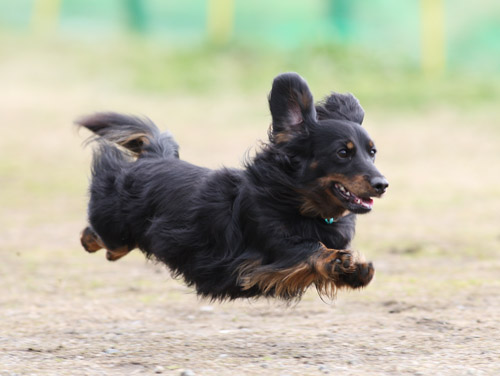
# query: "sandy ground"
[[69, 313]]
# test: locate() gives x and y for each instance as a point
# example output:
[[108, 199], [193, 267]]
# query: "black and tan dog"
[[274, 228]]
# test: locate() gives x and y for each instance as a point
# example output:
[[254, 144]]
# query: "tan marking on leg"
[[90, 240], [327, 269], [285, 283], [116, 254]]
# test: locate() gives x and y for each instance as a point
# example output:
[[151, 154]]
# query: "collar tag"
[[330, 220]]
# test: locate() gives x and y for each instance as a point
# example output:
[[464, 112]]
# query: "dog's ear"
[[341, 107], [292, 107]]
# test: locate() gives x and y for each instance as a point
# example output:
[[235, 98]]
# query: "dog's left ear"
[[341, 107], [292, 107]]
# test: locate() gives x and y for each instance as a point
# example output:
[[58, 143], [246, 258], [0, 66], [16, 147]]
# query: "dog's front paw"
[[347, 269], [343, 263], [361, 275]]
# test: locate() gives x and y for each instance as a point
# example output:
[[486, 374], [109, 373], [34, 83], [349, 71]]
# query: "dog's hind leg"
[[91, 242], [116, 254]]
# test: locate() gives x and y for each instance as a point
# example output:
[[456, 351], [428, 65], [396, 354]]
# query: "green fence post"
[[220, 20], [45, 15], [432, 36], [340, 12], [136, 15]]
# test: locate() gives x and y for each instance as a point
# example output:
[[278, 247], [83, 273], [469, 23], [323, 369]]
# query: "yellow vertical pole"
[[220, 20], [432, 36], [45, 15]]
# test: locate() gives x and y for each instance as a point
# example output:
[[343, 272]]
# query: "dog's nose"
[[379, 183]]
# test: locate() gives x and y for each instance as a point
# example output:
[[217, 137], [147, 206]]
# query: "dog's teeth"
[[342, 189]]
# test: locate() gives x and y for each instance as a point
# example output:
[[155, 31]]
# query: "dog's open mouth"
[[352, 202]]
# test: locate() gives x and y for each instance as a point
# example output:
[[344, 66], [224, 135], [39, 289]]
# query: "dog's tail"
[[139, 136]]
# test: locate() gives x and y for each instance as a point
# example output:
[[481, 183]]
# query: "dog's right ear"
[[292, 107], [341, 107]]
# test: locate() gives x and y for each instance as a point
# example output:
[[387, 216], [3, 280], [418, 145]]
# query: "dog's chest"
[[335, 235]]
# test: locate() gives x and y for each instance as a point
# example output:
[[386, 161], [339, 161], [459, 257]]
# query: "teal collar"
[[332, 220]]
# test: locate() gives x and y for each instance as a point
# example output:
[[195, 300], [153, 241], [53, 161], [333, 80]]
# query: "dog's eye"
[[343, 153], [373, 152]]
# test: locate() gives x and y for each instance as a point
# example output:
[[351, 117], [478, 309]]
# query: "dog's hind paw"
[[116, 254], [90, 240]]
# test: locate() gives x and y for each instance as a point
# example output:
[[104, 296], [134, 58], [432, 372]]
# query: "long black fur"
[[206, 224]]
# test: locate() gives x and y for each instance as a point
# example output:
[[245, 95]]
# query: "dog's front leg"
[[327, 269], [344, 267]]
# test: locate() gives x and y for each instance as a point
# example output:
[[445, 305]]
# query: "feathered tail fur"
[[136, 135]]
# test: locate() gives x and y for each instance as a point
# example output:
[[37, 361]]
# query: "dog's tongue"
[[366, 202]]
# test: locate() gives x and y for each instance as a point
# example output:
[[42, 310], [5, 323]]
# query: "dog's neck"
[[332, 220]]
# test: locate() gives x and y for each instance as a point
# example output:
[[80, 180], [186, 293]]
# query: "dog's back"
[[143, 196]]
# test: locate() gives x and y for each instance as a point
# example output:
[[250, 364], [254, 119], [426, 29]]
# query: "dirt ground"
[[433, 308], [75, 314]]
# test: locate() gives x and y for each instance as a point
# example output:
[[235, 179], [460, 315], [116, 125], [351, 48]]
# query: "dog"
[[281, 224]]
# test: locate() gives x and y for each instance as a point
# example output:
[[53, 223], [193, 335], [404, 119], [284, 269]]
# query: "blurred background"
[[427, 73]]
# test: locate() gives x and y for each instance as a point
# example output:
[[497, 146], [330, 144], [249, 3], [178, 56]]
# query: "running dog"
[[281, 224]]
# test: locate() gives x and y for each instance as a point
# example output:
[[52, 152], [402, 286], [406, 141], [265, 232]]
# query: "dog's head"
[[334, 154]]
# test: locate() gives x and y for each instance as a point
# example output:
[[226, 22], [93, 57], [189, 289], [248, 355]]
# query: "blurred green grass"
[[149, 65]]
